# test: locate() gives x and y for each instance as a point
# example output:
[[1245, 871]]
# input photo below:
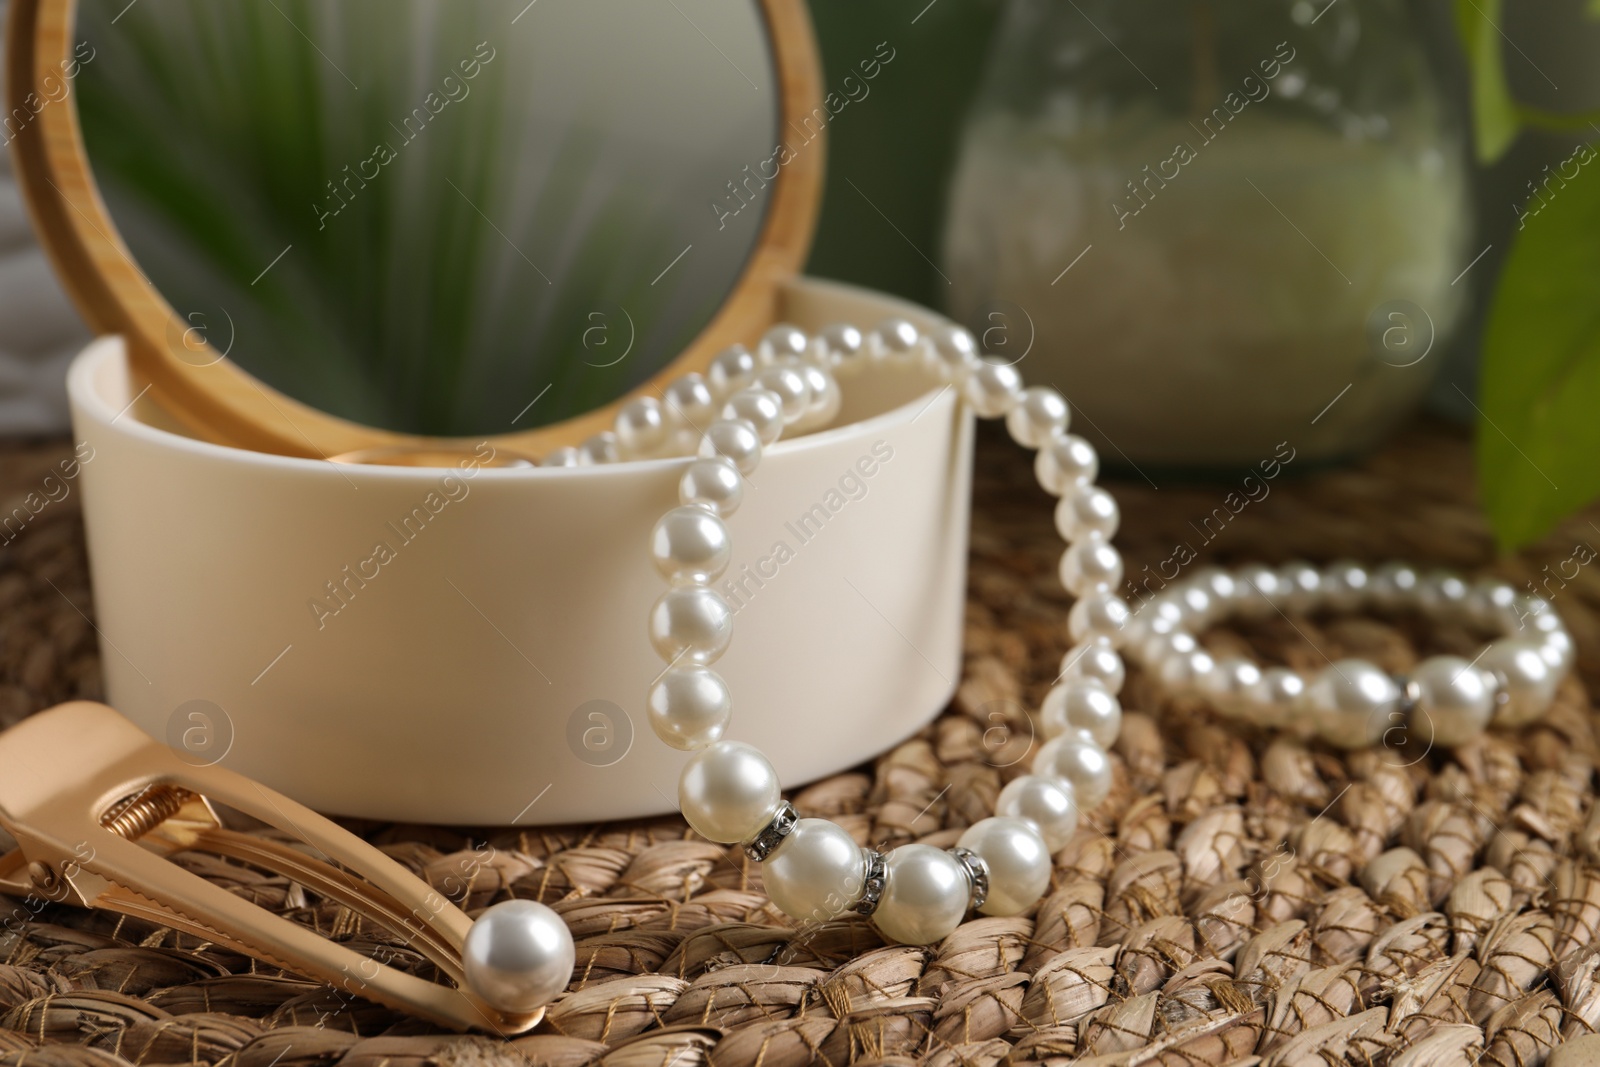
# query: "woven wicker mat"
[[1239, 898]]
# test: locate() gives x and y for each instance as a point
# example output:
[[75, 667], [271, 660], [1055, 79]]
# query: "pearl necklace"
[[519, 955], [729, 793], [1445, 700]]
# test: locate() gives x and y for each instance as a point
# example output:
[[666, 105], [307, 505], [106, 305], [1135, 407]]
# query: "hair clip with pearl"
[[98, 809]]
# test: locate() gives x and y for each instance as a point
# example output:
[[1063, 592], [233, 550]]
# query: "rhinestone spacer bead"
[[977, 874], [771, 836], [876, 877]]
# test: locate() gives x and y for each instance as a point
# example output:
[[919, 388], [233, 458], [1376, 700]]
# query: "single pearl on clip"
[[518, 956]]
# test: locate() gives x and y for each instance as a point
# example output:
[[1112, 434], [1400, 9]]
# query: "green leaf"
[[1539, 426], [1494, 115]]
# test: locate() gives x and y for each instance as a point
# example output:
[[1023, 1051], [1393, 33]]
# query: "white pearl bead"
[[1558, 651], [992, 388], [1156, 649], [1047, 803], [1393, 587], [1218, 583], [734, 368], [602, 448], [728, 792], [1353, 703], [1087, 511], [1064, 463], [1442, 595], [826, 397], [818, 872], [1302, 586], [692, 623], [1018, 862], [1344, 585], [1090, 565], [782, 340], [1524, 678], [712, 483], [1259, 591], [897, 336], [518, 956], [1275, 698], [1082, 704], [791, 387], [735, 439], [1490, 600], [1040, 414], [954, 352], [925, 895], [689, 707], [641, 426], [761, 408], [690, 544], [688, 403], [566, 456], [1075, 757], [842, 340], [1195, 603], [1186, 673], [1097, 660], [1533, 615], [1227, 685], [1097, 615], [1454, 703]]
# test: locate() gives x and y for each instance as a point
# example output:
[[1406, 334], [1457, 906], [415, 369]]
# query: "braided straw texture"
[[1240, 897]]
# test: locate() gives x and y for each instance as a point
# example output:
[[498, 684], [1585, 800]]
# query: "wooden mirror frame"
[[221, 402]]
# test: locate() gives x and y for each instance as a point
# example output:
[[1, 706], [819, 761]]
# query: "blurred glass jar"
[[1215, 225]]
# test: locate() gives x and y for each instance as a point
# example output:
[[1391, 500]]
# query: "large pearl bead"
[[1095, 659], [925, 895], [1453, 702], [728, 792], [641, 426], [761, 408], [817, 873], [1100, 614], [782, 340], [1353, 703], [689, 707], [733, 369], [690, 544], [1087, 511], [897, 336], [1018, 862], [1047, 803], [733, 439], [518, 956], [1558, 651], [1082, 704], [1064, 463], [1090, 565], [993, 388], [1271, 702], [712, 483], [690, 622], [688, 403], [1075, 757], [1039, 415], [1526, 681], [842, 341]]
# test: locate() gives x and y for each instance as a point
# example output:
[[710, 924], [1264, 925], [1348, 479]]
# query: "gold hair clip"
[[98, 808]]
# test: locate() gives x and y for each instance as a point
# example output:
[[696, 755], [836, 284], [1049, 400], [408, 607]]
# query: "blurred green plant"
[[1538, 438]]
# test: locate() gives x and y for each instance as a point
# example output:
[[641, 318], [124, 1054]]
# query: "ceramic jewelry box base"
[[466, 646]]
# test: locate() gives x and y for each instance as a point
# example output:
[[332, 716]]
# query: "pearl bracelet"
[[813, 869], [1445, 700]]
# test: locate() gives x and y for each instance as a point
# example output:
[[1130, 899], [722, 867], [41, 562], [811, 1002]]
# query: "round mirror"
[[422, 218]]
